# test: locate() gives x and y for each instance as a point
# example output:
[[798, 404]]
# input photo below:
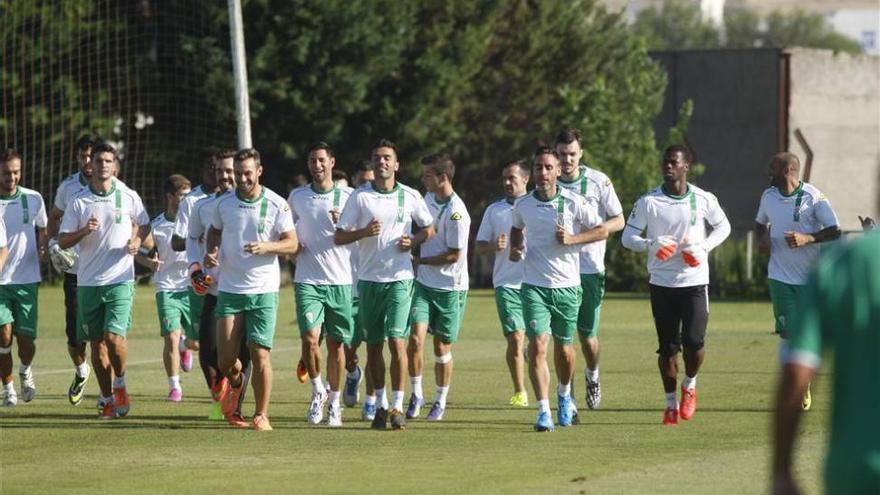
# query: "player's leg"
[[10, 398], [447, 312], [398, 300], [339, 328], [188, 345], [563, 326], [118, 299], [665, 307], [230, 329], [104, 375], [536, 313], [22, 300], [262, 382], [785, 305], [354, 373], [509, 307], [695, 319], [593, 286], [310, 315], [76, 349], [169, 329], [90, 328], [259, 320], [419, 318], [372, 321]]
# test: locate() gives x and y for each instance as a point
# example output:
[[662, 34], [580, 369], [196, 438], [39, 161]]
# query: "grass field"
[[483, 445]]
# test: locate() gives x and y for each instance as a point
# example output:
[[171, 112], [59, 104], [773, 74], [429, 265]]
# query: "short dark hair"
[[518, 162], [321, 145], [8, 155], [223, 154], [440, 163], [176, 182], [246, 154], [85, 142], [384, 143], [788, 159], [545, 150], [104, 147], [363, 166], [568, 136], [339, 174], [680, 148]]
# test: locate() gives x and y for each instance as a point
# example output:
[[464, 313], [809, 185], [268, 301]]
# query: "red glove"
[[664, 247], [200, 282]]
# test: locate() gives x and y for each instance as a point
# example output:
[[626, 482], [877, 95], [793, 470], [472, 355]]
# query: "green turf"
[[483, 445]]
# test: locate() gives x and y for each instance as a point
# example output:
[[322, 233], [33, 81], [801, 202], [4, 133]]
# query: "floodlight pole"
[[239, 74]]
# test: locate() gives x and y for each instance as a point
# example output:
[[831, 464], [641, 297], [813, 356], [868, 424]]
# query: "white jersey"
[[683, 218], [597, 188], [452, 225], [21, 212], [549, 263], [172, 275], [185, 210], [805, 210], [380, 259], [496, 221], [103, 254], [3, 240], [243, 221], [321, 261], [200, 219]]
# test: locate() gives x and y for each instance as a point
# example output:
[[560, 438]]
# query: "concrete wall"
[[835, 102]]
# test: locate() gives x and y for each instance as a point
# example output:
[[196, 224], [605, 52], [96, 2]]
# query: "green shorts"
[[785, 303], [508, 302], [103, 309], [259, 311], [359, 335], [593, 285], [384, 309], [196, 303], [327, 307], [442, 310], [18, 305], [174, 313], [551, 310]]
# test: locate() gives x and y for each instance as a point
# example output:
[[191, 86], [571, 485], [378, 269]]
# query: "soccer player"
[[676, 216], [23, 213], [840, 310], [556, 222], [64, 262], [362, 174], [108, 223], [171, 280], [507, 275], [323, 280], [203, 281], [189, 342], [380, 216], [4, 248], [250, 229], [441, 285], [793, 218], [599, 192]]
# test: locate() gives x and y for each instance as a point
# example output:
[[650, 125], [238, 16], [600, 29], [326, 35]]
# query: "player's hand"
[[501, 242], [373, 228], [562, 236], [334, 215], [692, 253], [867, 223], [200, 281], [516, 253], [405, 242], [212, 259], [256, 248], [663, 247], [133, 245], [91, 226], [155, 262], [797, 239]]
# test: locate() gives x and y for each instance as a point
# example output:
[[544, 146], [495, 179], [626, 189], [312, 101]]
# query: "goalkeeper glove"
[[200, 281], [62, 259], [691, 253], [663, 247]]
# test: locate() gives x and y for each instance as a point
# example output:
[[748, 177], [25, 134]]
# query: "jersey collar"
[[316, 191], [673, 196], [558, 193], [261, 196], [393, 189], [108, 193], [798, 189], [14, 195]]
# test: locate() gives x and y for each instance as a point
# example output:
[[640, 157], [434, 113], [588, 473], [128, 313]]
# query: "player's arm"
[[178, 243], [4, 253], [452, 255], [409, 243], [147, 255], [72, 237], [486, 247], [799, 239], [517, 240], [212, 247], [795, 379], [54, 221], [597, 233], [4, 249], [343, 236], [762, 234], [285, 245]]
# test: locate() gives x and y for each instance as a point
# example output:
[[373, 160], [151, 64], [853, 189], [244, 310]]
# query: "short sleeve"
[[196, 229], [138, 213], [420, 214], [70, 221], [824, 213], [284, 220], [610, 201], [638, 217], [762, 218], [3, 241], [714, 214], [41, 221], [292, 206], [586, 215], [517, 220], [216, 218], [348, 220], [458, 228], [184, 217], [486, 233], [61, 198]]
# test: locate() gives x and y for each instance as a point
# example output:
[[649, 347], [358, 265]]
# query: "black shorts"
[[70, 308], [680, 317]]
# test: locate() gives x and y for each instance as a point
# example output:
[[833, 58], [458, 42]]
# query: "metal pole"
[[239, 74], [750, 247]]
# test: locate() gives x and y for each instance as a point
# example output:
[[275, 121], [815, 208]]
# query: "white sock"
[[119, 382], [181, 344], [317, 384], [397, 399], [440, 395], [592, 375], [417, 386], [82, 369], [9, 388], [24, 369], [544, 406], [671, 400], [334, 398], [105, 400], [381, 399], [174, 381], [689, 382], [563, 390], [370, 400]]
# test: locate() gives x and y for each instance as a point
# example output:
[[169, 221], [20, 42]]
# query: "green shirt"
[[841, 311]]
